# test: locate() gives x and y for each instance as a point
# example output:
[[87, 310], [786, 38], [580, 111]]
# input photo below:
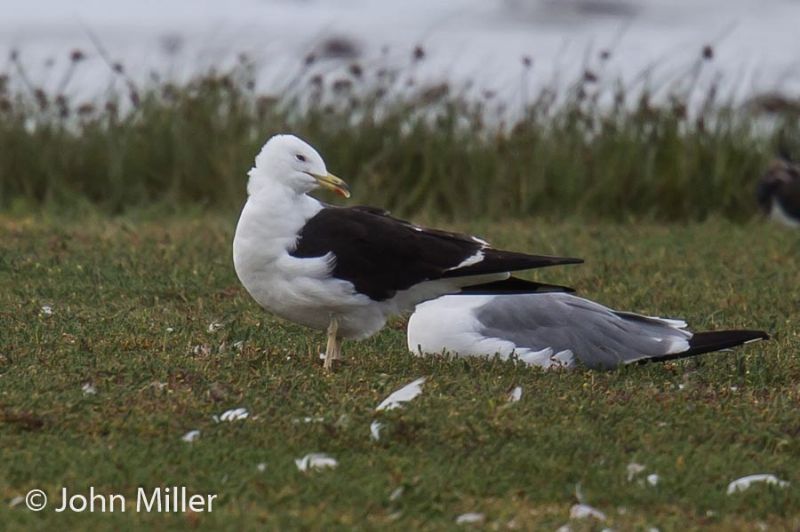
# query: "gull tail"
[[706, 342]]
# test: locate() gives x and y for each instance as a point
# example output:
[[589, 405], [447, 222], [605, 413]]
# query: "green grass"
[[595, 150], [132, 298]]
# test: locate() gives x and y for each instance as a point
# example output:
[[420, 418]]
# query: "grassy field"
[[124, 308]]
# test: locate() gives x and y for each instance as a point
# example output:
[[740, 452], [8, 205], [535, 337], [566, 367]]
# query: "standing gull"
[[556, 330], [346, 270], [778, 192]]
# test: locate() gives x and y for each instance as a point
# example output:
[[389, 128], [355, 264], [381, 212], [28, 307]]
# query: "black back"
[[381, 255]]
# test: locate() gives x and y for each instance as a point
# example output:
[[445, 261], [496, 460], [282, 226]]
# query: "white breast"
[[779, 215], [298, 289]]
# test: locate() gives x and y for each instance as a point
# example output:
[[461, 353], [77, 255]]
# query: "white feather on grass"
[[583, 511], [234, 414], [634, 469], [191, 436], [375, 430], [469, 518], [741, 484], [315, 462], [403, 395]]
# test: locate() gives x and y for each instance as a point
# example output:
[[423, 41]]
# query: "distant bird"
[[348, 269], [556, 330], [778, 192]]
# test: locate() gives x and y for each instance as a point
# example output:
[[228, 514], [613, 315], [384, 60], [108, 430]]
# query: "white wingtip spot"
[[469, 261]]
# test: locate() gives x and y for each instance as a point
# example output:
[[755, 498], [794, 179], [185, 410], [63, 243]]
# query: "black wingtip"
[[703, 342], [513, 285], [709, 341]]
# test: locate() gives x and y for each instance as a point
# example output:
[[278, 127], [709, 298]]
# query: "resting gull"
[[778, 192], [346, 270], [556, 330]]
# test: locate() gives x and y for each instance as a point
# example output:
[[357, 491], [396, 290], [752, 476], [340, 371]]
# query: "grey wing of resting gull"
[[556, 330]]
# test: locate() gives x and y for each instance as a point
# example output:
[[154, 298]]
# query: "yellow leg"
[[332, 351]]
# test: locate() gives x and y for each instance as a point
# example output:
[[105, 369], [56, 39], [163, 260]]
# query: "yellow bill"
[[331, 182]]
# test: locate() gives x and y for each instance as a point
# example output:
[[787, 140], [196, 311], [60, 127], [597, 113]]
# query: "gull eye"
[[300, 158]]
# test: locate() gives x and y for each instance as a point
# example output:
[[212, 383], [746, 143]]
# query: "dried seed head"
[[342, 85], [171, 44], [527, 61], [339, 48], [356, 70], [41, 98], [708, 52], [310, 59], [265, 104], [85, 109], [679, 110], [419, 53], [133, 94], [434, 93], [605, 55], [5, 105], [316, 80], [118, 68], [169, 92], [76, 56], [589, 76]]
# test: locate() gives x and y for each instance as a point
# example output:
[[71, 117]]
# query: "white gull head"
[[288, 161]]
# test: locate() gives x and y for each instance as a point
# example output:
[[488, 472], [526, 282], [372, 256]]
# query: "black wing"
[[380, 254]]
